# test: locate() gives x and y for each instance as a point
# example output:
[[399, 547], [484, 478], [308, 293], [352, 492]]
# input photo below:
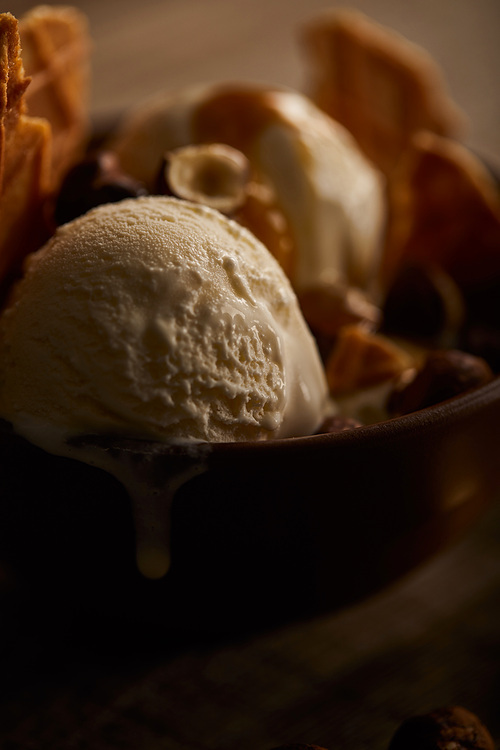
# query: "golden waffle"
[[444, 210], [43, 121], [24, 158], [361, 359], [375, 82], [55, 51]]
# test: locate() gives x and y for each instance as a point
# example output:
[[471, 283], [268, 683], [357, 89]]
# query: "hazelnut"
[[299, 746], [449, 728], [213, 174], [95, 180], [445, 373]]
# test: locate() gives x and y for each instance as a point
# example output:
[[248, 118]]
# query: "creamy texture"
[[326, 197], [161, 320]]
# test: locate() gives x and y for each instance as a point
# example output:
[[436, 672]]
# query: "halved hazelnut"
[[214, 174]]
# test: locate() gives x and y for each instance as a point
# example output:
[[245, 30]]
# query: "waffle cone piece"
[[443, 206], [362, 359], [41, 134], [444, 211], [24, 158], [55, 53], [380, 86]]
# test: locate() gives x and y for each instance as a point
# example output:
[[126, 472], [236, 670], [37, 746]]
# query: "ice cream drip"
[[151, 476]]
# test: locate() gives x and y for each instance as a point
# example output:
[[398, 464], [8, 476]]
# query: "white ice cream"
[[331, 197], [157, 319]]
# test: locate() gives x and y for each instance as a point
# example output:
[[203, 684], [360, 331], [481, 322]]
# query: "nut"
[[95, 180], [445, 373], [213, 174], [299, 746], [449, 728]]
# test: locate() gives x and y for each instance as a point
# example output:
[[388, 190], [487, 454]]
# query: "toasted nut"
[[445, 373], [95, 180], [213, 174], [451, 727], [330, 307]]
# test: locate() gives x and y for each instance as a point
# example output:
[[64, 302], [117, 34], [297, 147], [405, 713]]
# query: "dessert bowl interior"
[[258, 531]]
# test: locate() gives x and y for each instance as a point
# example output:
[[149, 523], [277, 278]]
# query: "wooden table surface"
[[345, 679]]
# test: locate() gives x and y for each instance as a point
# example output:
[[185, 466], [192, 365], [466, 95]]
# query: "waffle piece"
[[55, 51], [444, 210], [24, 158], [379, 85], [43, 122], [361, 359]]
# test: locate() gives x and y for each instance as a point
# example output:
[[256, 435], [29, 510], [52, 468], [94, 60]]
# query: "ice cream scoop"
[[314, 199], [162, 321], [157, 319]]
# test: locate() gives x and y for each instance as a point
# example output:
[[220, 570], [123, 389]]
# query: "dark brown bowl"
[[267, 531]]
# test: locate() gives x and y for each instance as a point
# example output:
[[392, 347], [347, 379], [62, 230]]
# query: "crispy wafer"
[[24, 157], [55, 51], [361, 359], [379, 85], [444, 210], [44, 121]]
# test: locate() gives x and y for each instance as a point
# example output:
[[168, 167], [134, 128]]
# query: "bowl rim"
[[471, 401], [438, 416]]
